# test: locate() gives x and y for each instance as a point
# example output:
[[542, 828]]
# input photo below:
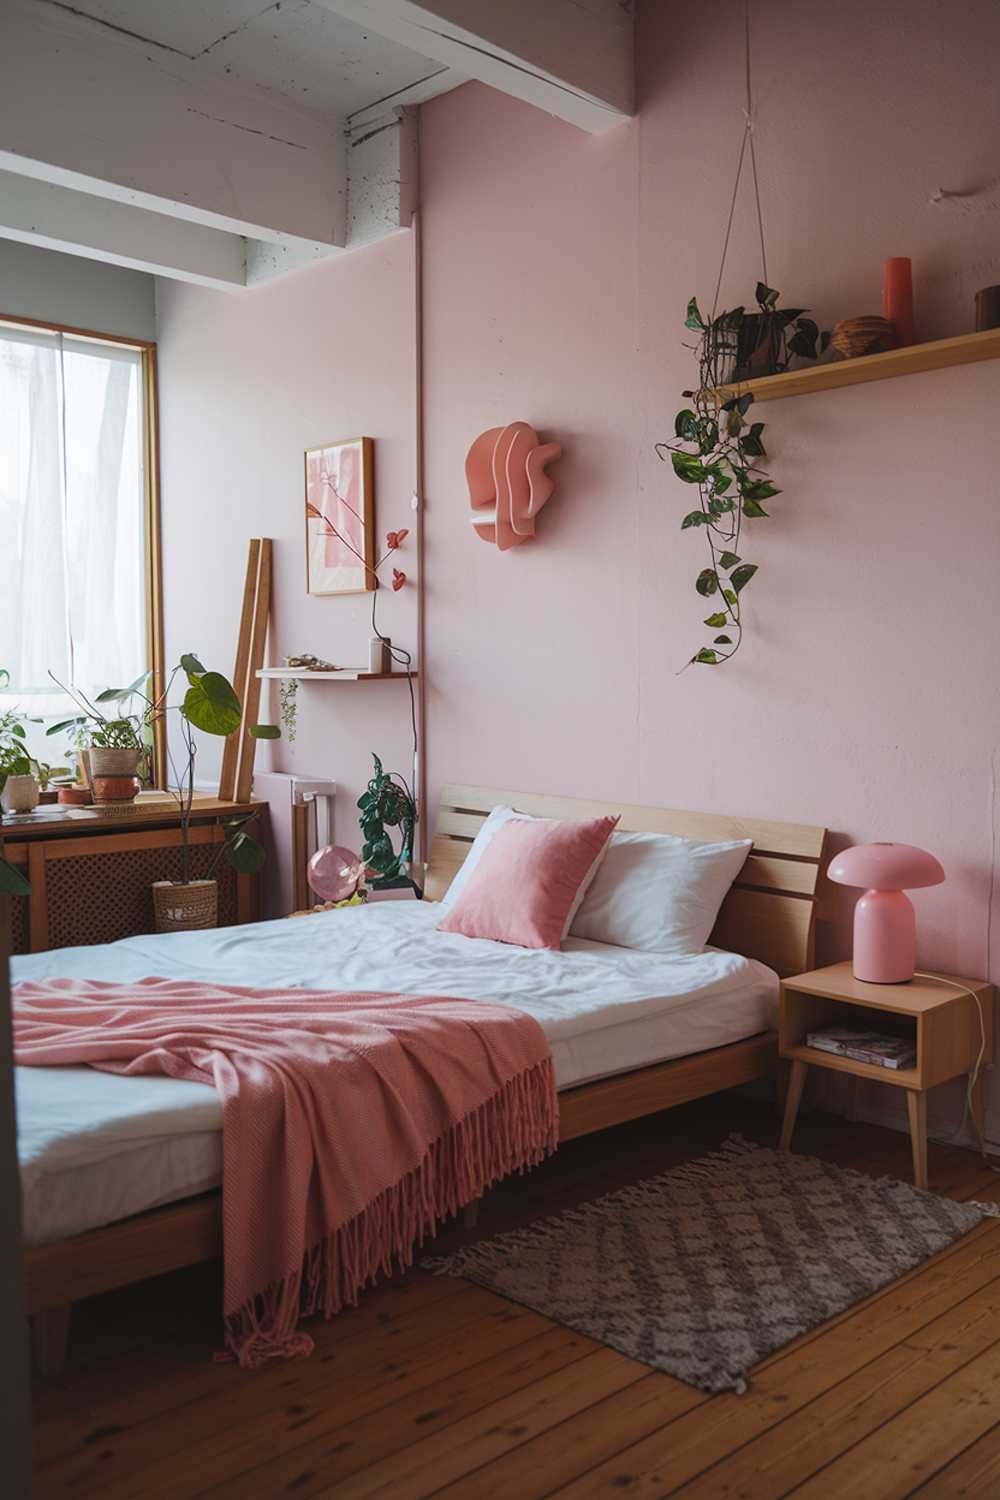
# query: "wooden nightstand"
[[939, 1016]]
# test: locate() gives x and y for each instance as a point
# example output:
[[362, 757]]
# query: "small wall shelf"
[[342, 674], [967, 348]]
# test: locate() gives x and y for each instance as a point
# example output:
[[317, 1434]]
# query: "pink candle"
[[897, 296]]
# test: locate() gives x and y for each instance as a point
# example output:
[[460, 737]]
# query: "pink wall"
[[248, 382], [557, 270], [557, 266]]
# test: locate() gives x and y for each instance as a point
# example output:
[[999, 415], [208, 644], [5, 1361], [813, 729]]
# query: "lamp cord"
[[973, 1077]]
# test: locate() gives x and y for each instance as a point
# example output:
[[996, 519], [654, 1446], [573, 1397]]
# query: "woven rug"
[[705, 1270]]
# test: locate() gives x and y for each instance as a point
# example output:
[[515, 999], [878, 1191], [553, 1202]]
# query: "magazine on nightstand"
[[865, 1046]]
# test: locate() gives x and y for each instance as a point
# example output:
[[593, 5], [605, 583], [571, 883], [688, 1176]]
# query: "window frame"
[[151, 508]]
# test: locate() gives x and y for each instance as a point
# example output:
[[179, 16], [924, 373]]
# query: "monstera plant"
[[387, 803]]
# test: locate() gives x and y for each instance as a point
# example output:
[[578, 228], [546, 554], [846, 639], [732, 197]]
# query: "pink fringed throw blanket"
[[351, 1123]]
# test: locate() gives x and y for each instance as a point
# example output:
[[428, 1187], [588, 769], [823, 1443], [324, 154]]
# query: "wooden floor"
[[435, 1387]]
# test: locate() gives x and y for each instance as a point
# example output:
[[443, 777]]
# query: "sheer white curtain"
[[72, 520]]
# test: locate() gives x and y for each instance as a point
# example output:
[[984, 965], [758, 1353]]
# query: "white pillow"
[[496, 819], [487, 833], [658, 893]]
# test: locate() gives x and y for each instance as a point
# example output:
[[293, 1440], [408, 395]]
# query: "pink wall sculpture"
[[508, 485]]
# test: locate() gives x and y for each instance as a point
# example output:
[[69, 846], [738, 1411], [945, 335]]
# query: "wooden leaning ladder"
[[236, 778]]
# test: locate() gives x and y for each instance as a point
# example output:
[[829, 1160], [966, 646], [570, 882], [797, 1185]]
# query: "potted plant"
[[717, 450], [18, 788], [14, 762], [388, 803], [45, 775], [112, 751], [211, 705]]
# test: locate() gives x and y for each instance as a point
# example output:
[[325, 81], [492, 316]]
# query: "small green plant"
[[717, 450], [14, 761], [46, 774], [288, 694], [387, 803]]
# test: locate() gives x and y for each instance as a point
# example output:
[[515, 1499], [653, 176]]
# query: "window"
[[79, 543]]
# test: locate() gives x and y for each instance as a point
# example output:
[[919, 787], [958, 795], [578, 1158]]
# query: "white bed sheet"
[[96, 1147]]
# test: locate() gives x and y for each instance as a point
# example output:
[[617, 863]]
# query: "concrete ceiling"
[[228, 141], [292, 49]]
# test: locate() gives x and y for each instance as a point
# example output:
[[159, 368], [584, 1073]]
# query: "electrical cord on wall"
[[973, 1078]]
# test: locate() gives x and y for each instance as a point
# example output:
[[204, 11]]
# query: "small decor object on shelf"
[[987, 308], [885, 930], [379, 655], [854, 337], [336, 873], [311, 663], [897, 297], [20, 793], [387, 803], [340, 548], [508, 485]]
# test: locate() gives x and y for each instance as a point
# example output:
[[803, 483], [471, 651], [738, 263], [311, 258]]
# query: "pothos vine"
[[717, 451]]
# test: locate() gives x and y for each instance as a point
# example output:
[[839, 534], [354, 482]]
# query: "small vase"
[[19, 795]]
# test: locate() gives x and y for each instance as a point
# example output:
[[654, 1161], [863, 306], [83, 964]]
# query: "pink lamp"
[[885, 929]]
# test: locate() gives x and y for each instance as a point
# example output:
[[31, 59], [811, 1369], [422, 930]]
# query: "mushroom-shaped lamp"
[[885, 929]]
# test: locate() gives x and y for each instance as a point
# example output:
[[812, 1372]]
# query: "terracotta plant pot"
[[104, 762], [116, 788], [185, 908], [19, 795], [75, 796]]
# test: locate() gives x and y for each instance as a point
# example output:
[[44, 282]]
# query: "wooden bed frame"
[[769, 914]]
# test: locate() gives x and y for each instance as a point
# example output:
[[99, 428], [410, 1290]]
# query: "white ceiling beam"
[[572, 58], [105, 114], [440, 81], [58, 218]]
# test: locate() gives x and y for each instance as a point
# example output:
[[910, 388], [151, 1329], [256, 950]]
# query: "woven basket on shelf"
[[183, 908]]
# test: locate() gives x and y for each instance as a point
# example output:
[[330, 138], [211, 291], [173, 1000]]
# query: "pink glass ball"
[[335, 872]]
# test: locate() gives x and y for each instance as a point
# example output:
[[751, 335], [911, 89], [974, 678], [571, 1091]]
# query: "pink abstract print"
[[338, 517]]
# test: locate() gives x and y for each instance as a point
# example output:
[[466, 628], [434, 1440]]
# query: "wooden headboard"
[[770, 912]]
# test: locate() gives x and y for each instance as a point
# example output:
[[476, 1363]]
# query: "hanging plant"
[[717, 450], [287, 693]]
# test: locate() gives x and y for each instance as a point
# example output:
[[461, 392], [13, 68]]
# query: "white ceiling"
[[227, 141], [293, 49]]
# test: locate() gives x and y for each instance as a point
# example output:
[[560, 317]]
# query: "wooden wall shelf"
[[966, 349], [342, 674]]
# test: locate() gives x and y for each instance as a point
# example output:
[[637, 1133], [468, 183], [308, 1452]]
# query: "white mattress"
[[96, 1147]]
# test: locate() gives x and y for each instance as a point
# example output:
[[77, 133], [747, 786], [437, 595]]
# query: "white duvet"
[[95, 1147]]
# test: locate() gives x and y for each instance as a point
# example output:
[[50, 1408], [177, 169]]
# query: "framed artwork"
[[340, 522]]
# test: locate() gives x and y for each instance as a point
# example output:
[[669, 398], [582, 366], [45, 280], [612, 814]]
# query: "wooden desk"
[[92, 873]]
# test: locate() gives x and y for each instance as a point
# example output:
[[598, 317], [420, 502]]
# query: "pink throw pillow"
[[530, 881]]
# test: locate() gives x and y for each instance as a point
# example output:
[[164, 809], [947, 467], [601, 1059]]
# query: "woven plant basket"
[[108, 762], [185, 908]]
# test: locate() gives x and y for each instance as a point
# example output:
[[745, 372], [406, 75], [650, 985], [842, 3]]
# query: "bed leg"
[[470, 1214], [50, 1339]]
